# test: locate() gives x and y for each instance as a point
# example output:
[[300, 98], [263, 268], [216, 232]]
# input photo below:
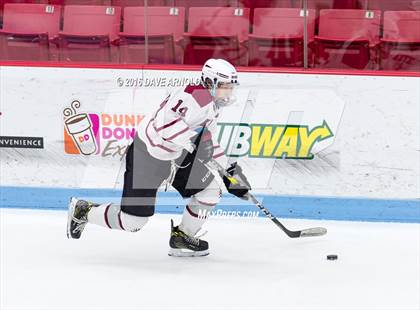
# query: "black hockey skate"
[[77, 217], [182, 245]]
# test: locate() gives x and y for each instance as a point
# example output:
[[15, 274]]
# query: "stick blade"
[[313, 232]]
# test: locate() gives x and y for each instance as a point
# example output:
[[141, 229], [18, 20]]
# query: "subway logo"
[[271, 141]]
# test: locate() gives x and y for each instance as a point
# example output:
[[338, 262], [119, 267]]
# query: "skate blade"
[[187, 253], [72, 205]]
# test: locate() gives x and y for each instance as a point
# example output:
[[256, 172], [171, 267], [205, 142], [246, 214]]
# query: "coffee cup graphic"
[[79, 128]]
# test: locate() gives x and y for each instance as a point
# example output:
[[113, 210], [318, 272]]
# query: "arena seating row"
[[385, 5], [337, 38]]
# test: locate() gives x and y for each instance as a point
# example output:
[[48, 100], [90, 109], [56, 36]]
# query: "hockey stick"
[[309, 232]]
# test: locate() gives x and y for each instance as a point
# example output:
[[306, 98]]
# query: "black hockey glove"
[[204, 146], [238, 184]]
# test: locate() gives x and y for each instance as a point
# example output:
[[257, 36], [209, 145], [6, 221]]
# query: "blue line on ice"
[[307, 207]]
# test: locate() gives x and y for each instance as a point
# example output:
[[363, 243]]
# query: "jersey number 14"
[[181, 111]]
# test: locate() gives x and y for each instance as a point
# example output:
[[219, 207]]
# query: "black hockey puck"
[[332, 257]]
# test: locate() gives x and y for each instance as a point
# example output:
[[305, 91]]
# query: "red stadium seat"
[[347, 39], [3, 2], [316, 4], [400, 45], [252, 4], [124, 3], [265, 3], [165, 27], [80, 2], [277, 38], [27, 30], [311, 4], [218, 33], [200, 3], [393, 5], [331, 4], [88, 33]]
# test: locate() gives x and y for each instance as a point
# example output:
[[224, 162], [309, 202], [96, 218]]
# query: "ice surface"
[[252, 265]]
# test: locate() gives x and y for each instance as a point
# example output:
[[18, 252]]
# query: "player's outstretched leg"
[[107, 215]]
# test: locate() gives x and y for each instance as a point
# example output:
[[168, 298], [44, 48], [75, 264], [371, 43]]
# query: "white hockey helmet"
[[219, 72]]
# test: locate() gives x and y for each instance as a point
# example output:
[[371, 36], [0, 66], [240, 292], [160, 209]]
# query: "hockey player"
[[172, 146]]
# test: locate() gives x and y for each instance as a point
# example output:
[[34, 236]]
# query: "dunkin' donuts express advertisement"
[[80, 130]]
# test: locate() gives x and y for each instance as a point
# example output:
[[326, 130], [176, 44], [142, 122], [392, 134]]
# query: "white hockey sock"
[[110, 216], [199, 207], [195, 214], [193, 219]]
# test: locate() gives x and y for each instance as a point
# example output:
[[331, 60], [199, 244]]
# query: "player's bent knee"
[[210, 196], [140, 210], [133, 223], [207, 200]]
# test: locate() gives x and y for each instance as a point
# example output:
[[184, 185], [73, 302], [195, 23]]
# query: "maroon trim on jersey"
[[206, 203], [147, 133], [106, 216], [177, 134], [218, 155], [216, 146], [156, 145], [168, 124], [190, 211], [119, 221], [200, 94]]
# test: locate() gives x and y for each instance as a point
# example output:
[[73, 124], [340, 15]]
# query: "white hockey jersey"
[[181, 116]]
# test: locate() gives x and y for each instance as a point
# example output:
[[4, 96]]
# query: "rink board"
[[312, 146]]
